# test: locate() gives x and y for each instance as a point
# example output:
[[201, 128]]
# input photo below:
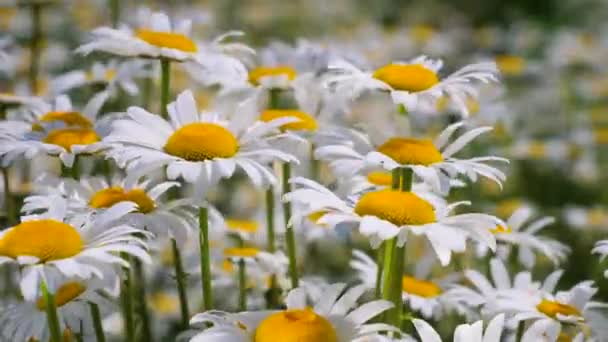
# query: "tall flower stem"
[[9, 204], [126, 299], [97, 326], [165, 83], [242, 285], [520, 331], [51, 313], [36, 38], [290, 237], [141, 306], [203, 216], [272, 296], [315, 165], [380, 265], [180, 278], [394, 258], [114, 12]]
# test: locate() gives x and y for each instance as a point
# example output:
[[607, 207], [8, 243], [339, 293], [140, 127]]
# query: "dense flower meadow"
[[164, 180]]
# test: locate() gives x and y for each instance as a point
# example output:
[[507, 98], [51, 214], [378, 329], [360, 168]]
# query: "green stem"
[[203, 216], [165, 66], [127, 301], [290, 237], [51, 313], [274, 98], [272, 296], [36, 13], [180, 277], [380, 265], [242, 285], [315, 165], [9, 204], [520, 331], [97, 326], [114, 12], [141, 304]]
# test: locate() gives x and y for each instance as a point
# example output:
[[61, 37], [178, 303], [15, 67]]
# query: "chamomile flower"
[[27, 320], [335, 318], [601, 248], [49, 241], [112, 76], [423, 295], [201, 148], [431, 161], [386, 214], [414, 84], [517, 233], [54, 129], [464, 332], [174, 218]]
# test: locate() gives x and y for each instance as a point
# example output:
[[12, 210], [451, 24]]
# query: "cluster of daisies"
[[205, 213]]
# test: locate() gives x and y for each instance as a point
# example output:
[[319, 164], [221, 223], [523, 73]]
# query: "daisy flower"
[[54, 129], [335, 318], [49, 241], [428, 297], [431, 161], [601, 248], [201, 148], [517, 233], [112, 76], [154, 213], [386, 214], [464, 332], [414, 84], [27, 320]]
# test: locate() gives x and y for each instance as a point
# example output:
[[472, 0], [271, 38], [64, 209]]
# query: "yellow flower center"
[[411, 151], [552, 308], [244, 226], [241, 252], [407, 77], [510, 65], [202, 141], [164, 303], [380, 178], [227, 266], [66, 137], [108, 75], [258, 73], [64, 294], [295, 326], [316, 216], [169, 40], [420, 288], [108, 197], [47, 240], [398, 207], [306, 123], [422, 33], [68, 118], [501, 230]]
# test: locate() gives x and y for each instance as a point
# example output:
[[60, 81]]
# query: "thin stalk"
[[36, 15], [242, 285], [51, 313], [180, 277], [520, 331], [272, 296], [127, 302], [203, 216], [141, 303], [165, 81], [290, 237], [315, 165], [380, 265], [274, 98], [97, 326], [114, 12], [9, 204]]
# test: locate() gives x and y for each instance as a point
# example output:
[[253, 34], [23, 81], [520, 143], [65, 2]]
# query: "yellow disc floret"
[[244, 226], [70, 119], [295, 326], [380, 178], [46, 240], [510, 65], [241, 252], [202, 141], [108, 197], [305, 123], [552, 308], [408, 77], [66, 137], [397, 207], [260, 72], [63, 295], [411, 151], [420, 288], [169, 40]]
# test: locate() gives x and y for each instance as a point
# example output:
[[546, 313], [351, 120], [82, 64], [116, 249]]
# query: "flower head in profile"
[[386, 214], [52, 242], [334, 318], [55, 129], [414, 84], [201, 148], [432, 161]]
